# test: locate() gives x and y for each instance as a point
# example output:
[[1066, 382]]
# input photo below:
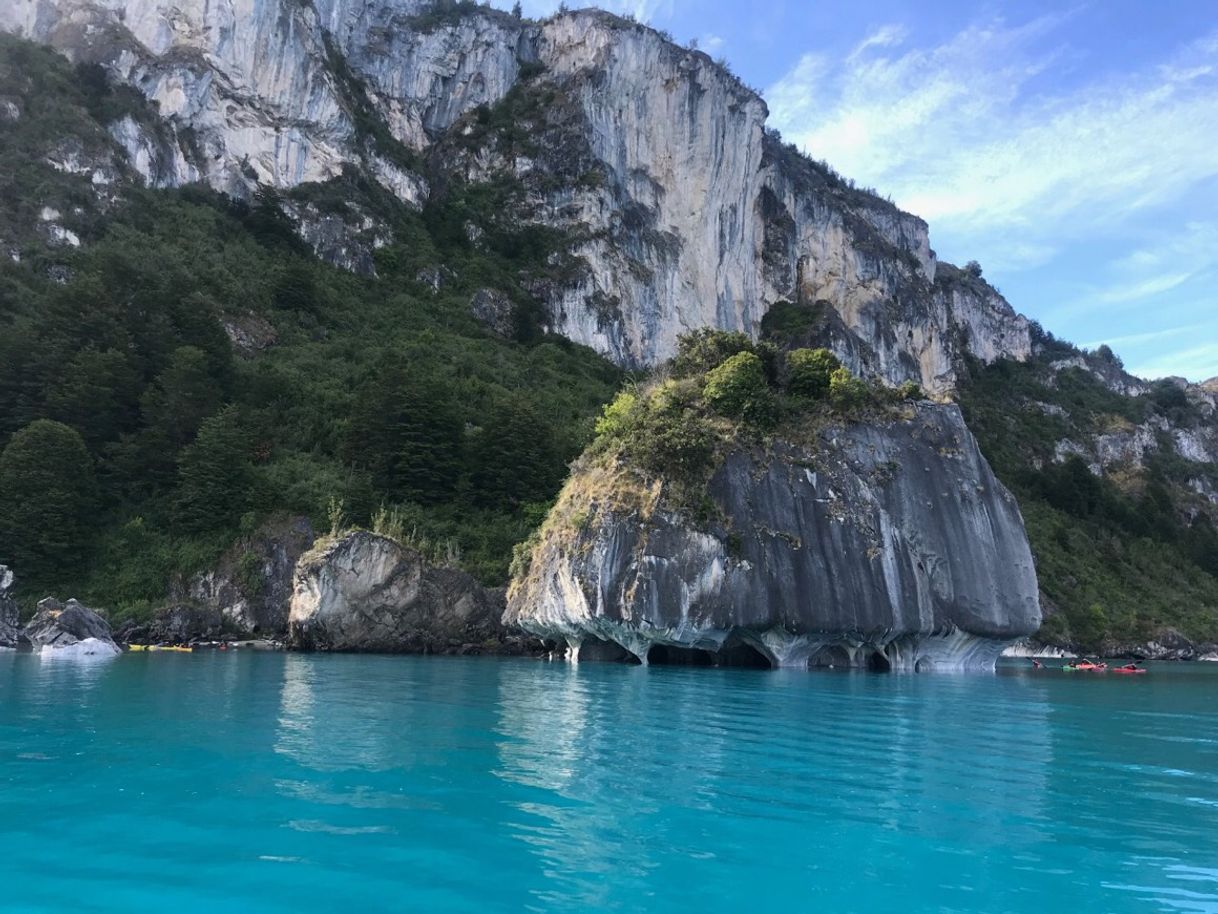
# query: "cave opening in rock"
[[878, 663], [742, 655], [833, 657], [594, 650], [670, 655]]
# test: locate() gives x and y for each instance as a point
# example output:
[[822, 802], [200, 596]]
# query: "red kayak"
[[1127, 671]]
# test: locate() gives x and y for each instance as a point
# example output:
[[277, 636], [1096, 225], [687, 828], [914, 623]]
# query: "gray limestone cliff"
[[889, 544], [9, 621], [246, 594], [364, 592], [683, 211]]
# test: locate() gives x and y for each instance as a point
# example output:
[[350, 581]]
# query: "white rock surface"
[[89, 648], [700, 221]]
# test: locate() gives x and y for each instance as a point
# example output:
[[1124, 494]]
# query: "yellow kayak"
[[138, 647], [159, 647]]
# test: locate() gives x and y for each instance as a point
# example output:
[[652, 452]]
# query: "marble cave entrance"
[[734, 654], [878, 663], [834, 657]]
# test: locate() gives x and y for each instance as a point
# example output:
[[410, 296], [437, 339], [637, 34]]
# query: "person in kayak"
[[1036, 664], [1130, 666]]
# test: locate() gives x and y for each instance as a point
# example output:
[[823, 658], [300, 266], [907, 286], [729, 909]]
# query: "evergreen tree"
[[407, 434], [184, 393], [214, 474], [96, 394], [515, 459], [47, 492]]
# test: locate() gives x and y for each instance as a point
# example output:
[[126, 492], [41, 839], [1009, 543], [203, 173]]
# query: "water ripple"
[[455, 785]]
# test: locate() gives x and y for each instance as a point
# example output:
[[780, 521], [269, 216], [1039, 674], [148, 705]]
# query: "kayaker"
[[1036, 664], [1130, 666]]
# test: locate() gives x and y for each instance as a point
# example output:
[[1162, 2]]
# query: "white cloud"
[[643, 10], [1180, 256], [964, 135], [1146, 288], [1197, 362], [886, 37], [1131, 339]]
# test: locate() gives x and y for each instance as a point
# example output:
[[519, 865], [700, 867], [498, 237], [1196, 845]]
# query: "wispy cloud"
[[965, 134], [643, 10], [886, 37], [1187, 255], [1196, 362], [1130, 339]]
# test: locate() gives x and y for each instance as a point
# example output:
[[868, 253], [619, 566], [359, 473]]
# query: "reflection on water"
[[295, 783], [642, 772]]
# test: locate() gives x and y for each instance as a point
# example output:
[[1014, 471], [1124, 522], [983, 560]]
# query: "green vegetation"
[[721, 391], [737, 388], [379, 394], [810, 371], [46, 477], [1113, 553]]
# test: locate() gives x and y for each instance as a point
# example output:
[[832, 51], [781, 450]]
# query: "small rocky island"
[[759, 508]]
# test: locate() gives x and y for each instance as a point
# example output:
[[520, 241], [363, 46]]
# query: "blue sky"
[[1072, 150]]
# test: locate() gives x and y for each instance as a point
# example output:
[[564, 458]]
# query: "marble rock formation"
[[69, 629], [365, 592], [890, 545]]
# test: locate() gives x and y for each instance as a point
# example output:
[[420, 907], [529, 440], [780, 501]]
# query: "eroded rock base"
[[948, 651]]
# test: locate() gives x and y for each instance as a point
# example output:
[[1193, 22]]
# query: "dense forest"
[[139, 442]]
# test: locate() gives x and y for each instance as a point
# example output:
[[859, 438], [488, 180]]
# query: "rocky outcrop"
[[72, 628], [251, 586], [889, 544], [348, 238], [1167, 644], [366, 592], [247, 594], [9, 621], [249, 333], [683, 212], [494, 309]]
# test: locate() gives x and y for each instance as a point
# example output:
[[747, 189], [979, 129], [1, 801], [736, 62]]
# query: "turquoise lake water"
[[288, 783]]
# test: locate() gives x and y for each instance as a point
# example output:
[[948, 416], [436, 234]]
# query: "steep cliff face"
[[889, 543], [9, 621], [250, 589], [685, 213]]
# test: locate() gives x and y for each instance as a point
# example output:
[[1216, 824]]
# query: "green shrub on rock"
[[809, 372], [703, 350], [846, 392], [617, 416], [738, 389]]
